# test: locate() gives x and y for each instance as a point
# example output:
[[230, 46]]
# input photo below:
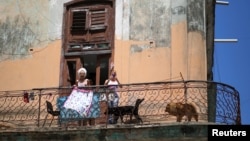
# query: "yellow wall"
[[185, 56], [40, 69], [186, 53]]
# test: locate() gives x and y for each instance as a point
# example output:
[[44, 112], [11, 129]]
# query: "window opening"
[[79, 23], [72, 72]]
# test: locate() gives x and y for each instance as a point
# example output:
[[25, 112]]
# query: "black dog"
[[120, 111]]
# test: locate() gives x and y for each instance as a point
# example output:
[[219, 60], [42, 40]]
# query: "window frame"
[[95, 34]]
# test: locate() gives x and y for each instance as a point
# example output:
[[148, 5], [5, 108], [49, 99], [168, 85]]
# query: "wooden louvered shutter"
[[98, 19], [89, 28], [98, 25], [79, 22]]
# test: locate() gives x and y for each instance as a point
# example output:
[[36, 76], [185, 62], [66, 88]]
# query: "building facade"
[[43, 43]]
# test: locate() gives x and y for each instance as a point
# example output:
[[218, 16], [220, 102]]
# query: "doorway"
[[97, 68]]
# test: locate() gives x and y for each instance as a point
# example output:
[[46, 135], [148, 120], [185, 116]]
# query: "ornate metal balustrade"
[[213, 102]]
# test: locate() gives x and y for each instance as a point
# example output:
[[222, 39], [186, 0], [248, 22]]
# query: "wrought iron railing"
[[214, 102]]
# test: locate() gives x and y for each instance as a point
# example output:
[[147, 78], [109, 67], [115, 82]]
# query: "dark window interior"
[[91, 62], [72, 72], [104, 69], [79, 23]]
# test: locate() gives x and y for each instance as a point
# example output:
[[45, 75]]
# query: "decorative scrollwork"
[[214, 102]]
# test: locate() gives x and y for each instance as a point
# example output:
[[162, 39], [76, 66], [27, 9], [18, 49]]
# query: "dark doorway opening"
[[72, 72], [97, 68]]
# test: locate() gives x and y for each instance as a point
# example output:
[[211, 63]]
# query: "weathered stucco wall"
[[30, 43], [39, 70], [154, 41], [160, 40]]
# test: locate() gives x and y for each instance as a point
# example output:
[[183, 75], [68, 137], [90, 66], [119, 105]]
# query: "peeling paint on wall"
[[28, 24], [138, 48], [195, 16], [16, 37], [179, 11], [150, 20], [55, 17]]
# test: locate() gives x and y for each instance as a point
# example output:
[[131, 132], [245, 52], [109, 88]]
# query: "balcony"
[[215, 103]]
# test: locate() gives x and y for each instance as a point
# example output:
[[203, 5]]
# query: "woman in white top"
[[80, 99], [82, 81], [113, 97], [113, 83]]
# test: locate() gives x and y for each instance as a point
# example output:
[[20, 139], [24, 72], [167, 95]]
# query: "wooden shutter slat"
[[78, 22], [98, 19], [89, 24]]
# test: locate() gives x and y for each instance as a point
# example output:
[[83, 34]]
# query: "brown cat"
[[181, 109]]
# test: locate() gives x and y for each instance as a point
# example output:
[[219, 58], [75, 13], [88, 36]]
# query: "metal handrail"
[[215, 102]]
